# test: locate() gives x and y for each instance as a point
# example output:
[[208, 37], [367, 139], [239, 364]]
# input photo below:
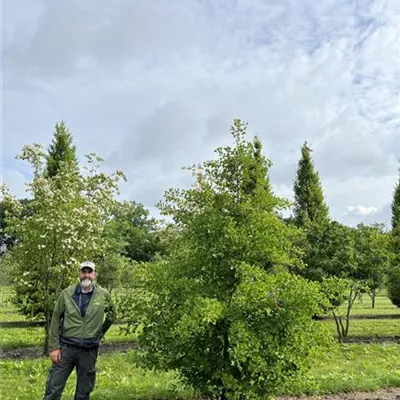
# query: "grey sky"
[[154, 85]]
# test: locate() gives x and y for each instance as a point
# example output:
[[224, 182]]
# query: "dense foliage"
[[61, 151], [67, 215], [217, 309], [309, 203]]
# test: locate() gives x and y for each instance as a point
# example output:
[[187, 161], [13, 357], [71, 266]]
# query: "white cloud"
[[153, 86], [361, 210]]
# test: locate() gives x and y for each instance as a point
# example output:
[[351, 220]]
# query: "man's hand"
[[55, 356]]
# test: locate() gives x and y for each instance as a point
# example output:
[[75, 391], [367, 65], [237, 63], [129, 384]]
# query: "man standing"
[[82, 315]]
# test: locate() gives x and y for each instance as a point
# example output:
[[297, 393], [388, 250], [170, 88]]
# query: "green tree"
[[65, 225], [7, 241], [136, 231], [309, 203], [396, 225], [393, 281], [373, 258], [335, 254], [61, 150], [396, 206], [335, 265], [393, 285], [310, 213], [356, 258], [132, 235], [214, 310]]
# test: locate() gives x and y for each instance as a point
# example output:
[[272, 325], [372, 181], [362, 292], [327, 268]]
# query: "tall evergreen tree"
[[310, 205], [61, 150], [396, 206], [395, 233]]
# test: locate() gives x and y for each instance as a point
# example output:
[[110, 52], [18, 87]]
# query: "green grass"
[[369, 327], [9, 314], [117, 379], [352, 367], [13, 338], [383, 306], [346, 368]]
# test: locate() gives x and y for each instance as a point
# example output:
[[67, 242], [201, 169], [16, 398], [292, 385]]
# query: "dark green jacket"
[[69, 327]]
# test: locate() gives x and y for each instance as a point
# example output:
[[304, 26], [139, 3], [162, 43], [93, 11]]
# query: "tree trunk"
[[338, 328]]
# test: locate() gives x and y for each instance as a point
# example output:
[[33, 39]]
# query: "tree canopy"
[[220, 309]]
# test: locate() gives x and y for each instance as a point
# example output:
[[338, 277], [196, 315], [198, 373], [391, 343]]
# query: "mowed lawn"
[[383, 306], [347, 367]]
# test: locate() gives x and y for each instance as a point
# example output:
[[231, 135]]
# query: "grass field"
[[348, 367], [13, 338], [383, 306]]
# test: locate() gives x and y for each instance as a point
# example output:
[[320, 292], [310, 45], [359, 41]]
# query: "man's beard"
[[86, 283]]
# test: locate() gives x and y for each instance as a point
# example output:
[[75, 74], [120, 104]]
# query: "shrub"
[[246, 346]]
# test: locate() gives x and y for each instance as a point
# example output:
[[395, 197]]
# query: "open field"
[[383, 306], [13, 338], [348, 367]]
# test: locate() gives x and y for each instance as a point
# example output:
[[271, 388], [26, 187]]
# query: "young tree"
[[61, 150], [311, 214], [356, 258], [309, 203], [335, 265], [214, 310], [373, 258], [65, 226]]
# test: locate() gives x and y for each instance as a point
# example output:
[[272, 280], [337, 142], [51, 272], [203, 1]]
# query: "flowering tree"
[[64, 224]]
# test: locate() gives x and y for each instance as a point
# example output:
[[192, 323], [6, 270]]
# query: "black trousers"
[[84, 360]]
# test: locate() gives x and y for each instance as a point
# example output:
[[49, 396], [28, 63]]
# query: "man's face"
[[87, 273]]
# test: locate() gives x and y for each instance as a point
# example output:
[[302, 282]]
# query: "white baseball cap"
[[87, 264]]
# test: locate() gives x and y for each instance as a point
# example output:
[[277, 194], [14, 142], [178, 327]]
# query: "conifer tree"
[[61, 150], [396, 207], [310, 205]]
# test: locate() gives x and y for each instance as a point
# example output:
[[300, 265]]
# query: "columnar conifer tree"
[[310, 205], [311, 214], [396, 206]]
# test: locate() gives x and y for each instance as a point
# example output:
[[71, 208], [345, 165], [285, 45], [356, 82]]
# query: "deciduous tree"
[[214, 310], [69, 212]]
